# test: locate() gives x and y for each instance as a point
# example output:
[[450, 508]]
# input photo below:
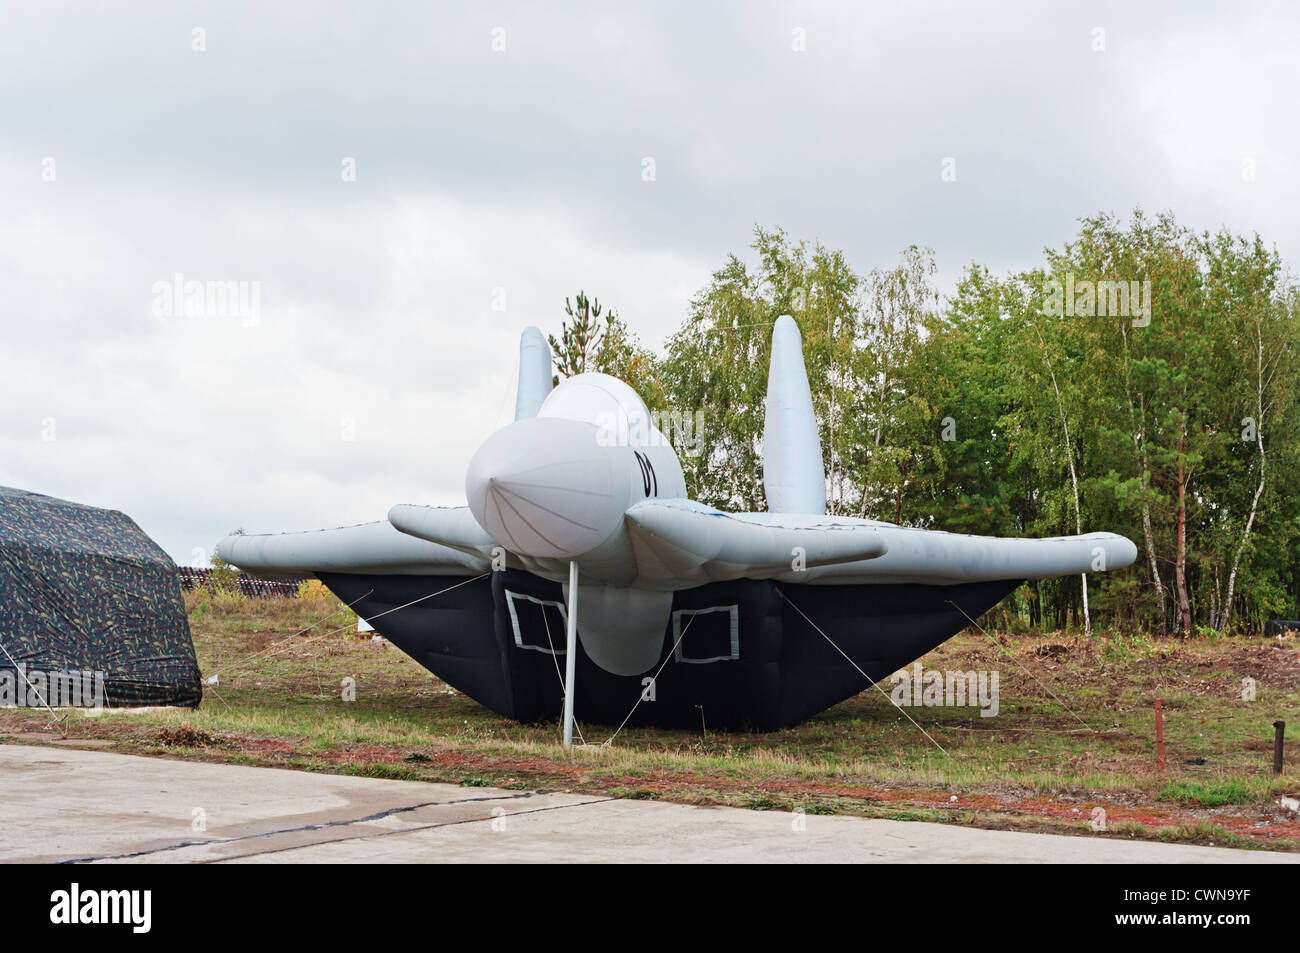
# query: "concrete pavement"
[[60, 804]]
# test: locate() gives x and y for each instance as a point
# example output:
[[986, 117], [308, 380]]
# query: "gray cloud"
[[522, 170]]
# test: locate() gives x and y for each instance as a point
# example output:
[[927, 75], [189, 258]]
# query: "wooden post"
[[1279, 733], [1160, 735]]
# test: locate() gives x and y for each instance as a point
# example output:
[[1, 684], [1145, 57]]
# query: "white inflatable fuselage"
[[555, 489]]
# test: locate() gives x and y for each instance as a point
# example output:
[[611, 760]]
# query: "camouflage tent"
[[90, 609]]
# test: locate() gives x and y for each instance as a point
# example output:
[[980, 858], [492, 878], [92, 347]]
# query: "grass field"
[[1075, 732]]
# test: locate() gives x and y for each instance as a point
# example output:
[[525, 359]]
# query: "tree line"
[[1141, 380]]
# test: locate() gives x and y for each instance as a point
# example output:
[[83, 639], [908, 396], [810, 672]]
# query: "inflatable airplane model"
[[579, 543]]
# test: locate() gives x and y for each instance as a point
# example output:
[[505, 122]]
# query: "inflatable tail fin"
[[793, 477], [534, 373]]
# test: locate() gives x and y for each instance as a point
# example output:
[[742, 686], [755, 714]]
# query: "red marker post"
[[1160, 735]]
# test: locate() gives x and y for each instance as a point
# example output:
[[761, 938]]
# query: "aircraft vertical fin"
[[534, 373], [794, 479]]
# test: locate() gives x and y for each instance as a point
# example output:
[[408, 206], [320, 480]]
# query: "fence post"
[[1160, 735]]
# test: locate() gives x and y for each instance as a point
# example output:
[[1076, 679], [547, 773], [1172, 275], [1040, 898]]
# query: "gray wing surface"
[[374, 548], [451, 526], [692, 544], [688, 544], [936, 558]]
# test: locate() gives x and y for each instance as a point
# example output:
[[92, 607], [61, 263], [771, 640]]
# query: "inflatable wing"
[[931, 557], [371, 548], [684, 543], [450, 526], [928, 556]]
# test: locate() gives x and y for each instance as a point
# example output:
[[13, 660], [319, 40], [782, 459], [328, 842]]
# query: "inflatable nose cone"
[[544, 487]]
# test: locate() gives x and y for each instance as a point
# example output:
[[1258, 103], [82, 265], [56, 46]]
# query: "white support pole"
[[570, 655]]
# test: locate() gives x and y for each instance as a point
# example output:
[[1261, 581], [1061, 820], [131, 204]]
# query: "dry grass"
[[279, 700]]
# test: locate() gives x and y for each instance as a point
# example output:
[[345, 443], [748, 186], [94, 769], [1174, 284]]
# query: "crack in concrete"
[[407, 830], [312, 827]]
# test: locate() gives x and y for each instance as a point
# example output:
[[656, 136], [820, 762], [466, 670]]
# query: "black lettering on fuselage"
[[649, 481]]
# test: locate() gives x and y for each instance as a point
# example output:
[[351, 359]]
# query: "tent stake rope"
[[324, 617], [1009, 655], [276, 650], [874, 683], [267, 653], [23, 673], [639, 698]]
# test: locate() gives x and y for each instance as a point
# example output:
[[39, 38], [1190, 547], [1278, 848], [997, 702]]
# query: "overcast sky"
[[492, 182]]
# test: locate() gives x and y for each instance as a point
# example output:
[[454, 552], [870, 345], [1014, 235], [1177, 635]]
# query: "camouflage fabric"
[[84, 589]]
